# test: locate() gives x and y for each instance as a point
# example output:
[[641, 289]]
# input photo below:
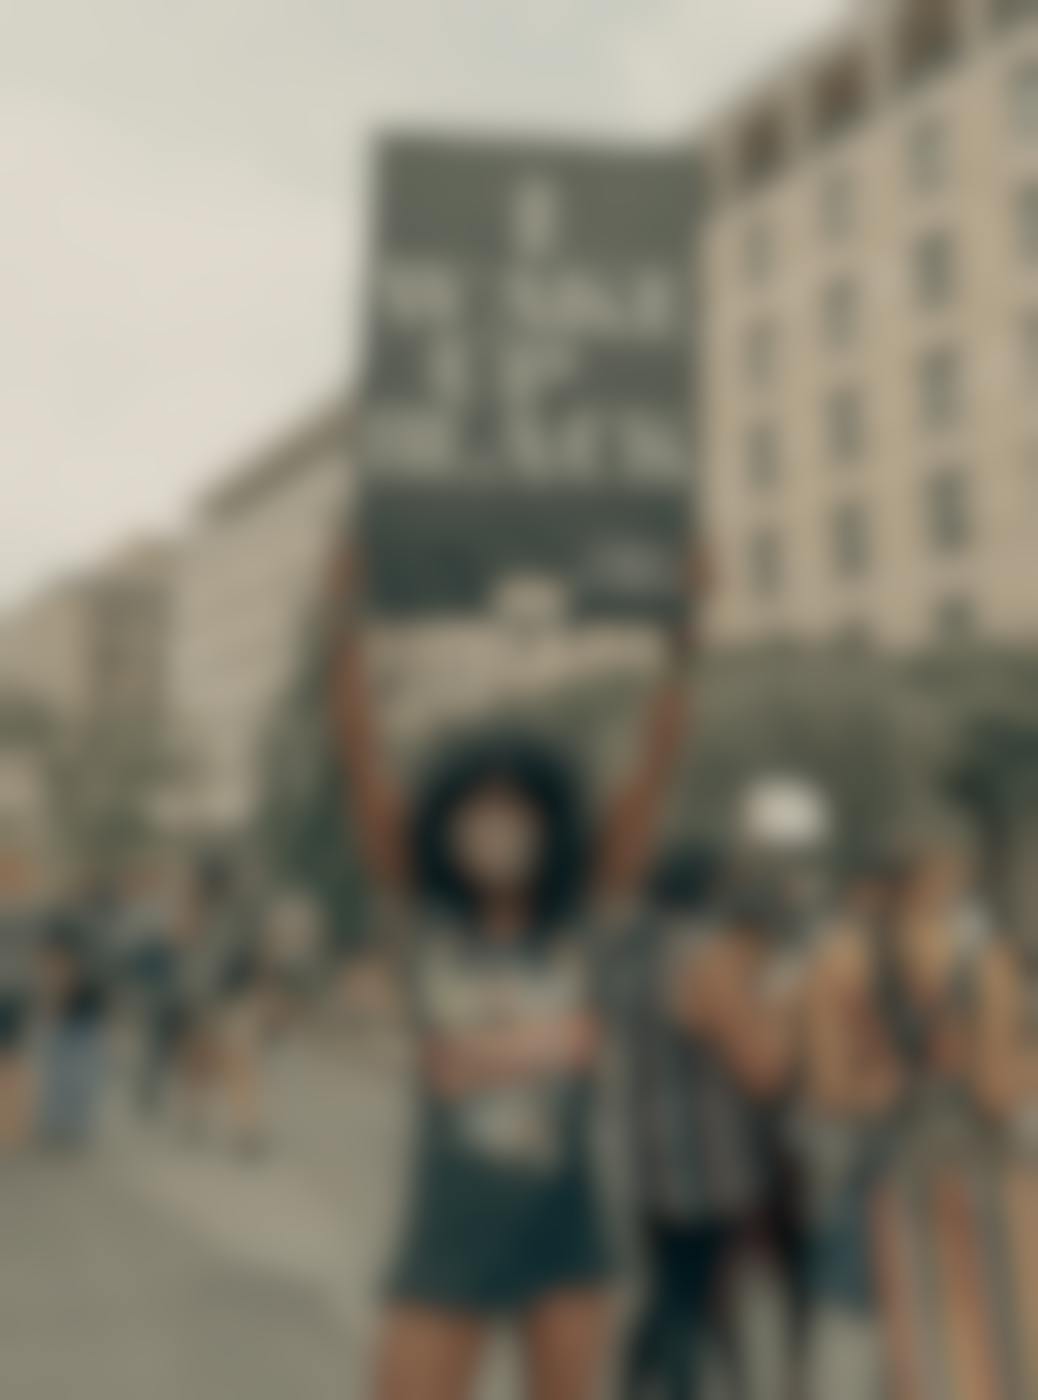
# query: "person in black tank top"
[[495, 881]]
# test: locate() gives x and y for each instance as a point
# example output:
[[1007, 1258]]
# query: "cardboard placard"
[[527, 400]]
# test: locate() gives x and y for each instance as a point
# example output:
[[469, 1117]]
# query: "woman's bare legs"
[[426, 1354], [241, 1054], [565, 1340], [198, 1069]]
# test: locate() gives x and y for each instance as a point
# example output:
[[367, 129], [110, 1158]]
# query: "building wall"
[[129, 651], [44, 650], [87, 657], [935, 514], [92, 650], [251, 569], [28, 842]]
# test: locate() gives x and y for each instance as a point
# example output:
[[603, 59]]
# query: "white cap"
[[785, 812]]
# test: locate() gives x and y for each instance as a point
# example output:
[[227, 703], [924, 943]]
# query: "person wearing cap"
[[707, 1045]]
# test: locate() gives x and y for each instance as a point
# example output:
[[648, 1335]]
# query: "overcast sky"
[[183, 205]]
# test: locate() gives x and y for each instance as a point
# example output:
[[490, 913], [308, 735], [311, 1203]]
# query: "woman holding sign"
[[498, 882]]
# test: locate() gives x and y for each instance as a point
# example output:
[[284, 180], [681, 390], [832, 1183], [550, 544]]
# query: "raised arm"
[[1000, 1067], [630, 828], [373, 802]]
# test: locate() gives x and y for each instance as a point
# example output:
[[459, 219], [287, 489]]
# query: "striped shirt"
[[697, 1138]]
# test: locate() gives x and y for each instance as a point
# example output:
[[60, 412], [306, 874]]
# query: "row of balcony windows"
[[926, 36]]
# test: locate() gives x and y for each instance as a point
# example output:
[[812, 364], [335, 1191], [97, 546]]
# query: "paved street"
[[153, 1269], [105, 1298], [158, 1270]]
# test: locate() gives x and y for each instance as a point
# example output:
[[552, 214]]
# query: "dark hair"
[[687, 880], [66, 934], [887, 865], [539, 775], [214, 877]]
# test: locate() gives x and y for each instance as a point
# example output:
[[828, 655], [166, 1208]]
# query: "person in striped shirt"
[[707, 1044]]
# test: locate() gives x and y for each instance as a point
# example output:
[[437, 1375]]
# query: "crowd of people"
[[814, 1053], [171, 978], [805, 1045]]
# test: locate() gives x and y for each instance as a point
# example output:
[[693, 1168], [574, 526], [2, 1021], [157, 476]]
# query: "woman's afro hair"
[[538, 773]]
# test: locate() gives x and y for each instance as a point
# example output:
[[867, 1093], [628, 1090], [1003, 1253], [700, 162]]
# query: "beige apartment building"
[[83, 690], [871, 361], [246, 596], [91, 650]]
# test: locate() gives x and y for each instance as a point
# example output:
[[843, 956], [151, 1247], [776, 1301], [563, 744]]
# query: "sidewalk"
[[318, 1208], [104, 1298], [318, 1213]]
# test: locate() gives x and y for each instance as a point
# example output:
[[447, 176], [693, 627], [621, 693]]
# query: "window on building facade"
[[928, 155], [929, 36], [766, 563], [759, 250], [763, 145], [761, 350], [941, 389], [934, 270], [955, 620], [763, 457], [841, 313], [845, 425], [1027, 222], [1029, 350], [949, 521], [854, 637], [851, 540], [1005, 11], [841, 93], [1024, 100], [837, 203], [1030, 477]]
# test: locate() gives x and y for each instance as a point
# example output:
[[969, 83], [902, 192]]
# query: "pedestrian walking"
[[72, 1050], [18, 933]]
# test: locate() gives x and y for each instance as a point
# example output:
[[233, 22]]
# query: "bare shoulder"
[[841, 961], [999, 967]]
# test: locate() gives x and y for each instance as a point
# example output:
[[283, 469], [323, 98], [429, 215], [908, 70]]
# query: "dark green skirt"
[[485, 1239]]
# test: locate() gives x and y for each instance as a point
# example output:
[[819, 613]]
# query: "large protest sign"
[[527, 398]]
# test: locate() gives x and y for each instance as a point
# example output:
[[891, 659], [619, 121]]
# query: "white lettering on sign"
[[536, 365]]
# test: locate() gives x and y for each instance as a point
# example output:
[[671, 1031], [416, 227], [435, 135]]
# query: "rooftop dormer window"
[[841, 94], [763, 146], [928, 37]]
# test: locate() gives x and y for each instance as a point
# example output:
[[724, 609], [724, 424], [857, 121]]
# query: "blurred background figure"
[[74, 999], [18, 934], [148, 975], [293, 955], [209, 973]]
